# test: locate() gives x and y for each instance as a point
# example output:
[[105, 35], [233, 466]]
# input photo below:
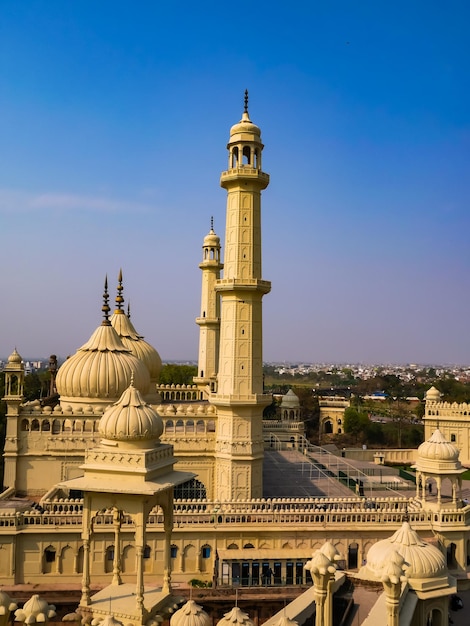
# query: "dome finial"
[[119, 299], [105, 307], [246, 101], [212, 222], [129, 309]]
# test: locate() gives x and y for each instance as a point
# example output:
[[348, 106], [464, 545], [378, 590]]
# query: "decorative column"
[[392, 580], [117, 518], [86, 535], [167, 509], [322, 570]]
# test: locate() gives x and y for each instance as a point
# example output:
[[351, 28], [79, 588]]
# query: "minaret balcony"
[[247, 172], [208, 321], [243, 284]]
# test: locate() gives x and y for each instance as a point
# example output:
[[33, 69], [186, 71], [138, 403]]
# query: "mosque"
[[125, 488]]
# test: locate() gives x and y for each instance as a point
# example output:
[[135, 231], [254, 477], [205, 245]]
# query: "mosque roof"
[[290, 400], [438, 448], [235, 616], [433, 394], [422, 559], [14, 357], [190, 614], [131, 419], [102, 368]]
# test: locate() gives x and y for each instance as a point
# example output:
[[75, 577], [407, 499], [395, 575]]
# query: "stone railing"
[[332, 513]]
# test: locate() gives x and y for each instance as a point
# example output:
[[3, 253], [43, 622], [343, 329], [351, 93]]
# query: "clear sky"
[[114, 119]]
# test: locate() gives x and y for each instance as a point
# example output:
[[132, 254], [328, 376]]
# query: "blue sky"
[[114, 118]]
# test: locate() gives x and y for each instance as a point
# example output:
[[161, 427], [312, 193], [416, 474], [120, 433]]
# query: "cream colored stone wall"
[[332, 414], [453, 420], [276, 529]]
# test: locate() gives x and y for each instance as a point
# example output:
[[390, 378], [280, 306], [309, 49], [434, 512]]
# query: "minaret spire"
[[119, 298], [246, 100], [105, 307]]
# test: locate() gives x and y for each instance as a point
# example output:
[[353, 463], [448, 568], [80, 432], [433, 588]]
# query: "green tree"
[[356, 423], [173, 374]]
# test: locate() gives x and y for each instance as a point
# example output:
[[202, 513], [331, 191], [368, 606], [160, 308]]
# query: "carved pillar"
[[117, 516], [86, 535]]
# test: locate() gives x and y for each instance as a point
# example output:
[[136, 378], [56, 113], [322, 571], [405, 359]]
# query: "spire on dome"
[[119, 299], [212, 222], [105, 307], [246, 101], [129, 309]]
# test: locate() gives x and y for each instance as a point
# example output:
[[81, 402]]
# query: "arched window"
[[173, 551], [109, 560], [190, 490], [147, 552], [206, 552]]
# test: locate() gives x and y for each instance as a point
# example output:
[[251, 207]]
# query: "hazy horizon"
[[114, 123]]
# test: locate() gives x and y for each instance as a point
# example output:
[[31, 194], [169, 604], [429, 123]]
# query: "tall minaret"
[[14, 389], [209, 320], [239, 398]]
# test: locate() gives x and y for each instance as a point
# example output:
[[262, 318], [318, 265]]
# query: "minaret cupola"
[[244, 146]]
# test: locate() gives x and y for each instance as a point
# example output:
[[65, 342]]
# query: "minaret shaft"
[[239, 398], [209, 319]]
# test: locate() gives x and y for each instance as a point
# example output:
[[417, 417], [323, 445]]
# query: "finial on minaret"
[[212, 222], [105, 307], [246, 101], [119, 298], [129, 309]]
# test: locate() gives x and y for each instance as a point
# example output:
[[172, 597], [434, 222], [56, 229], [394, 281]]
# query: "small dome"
[[235, 616], [211, 240], [130, 419], [190, 614], [244, 126], [36, 609], [437, 448], [14, 358], [433, 395], [290, 400], [423, 560]]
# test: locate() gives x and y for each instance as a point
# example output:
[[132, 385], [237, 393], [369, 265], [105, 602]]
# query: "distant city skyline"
[[114, 124]]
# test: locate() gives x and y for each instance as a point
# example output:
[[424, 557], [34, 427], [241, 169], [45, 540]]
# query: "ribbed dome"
[[433, 395], [190, 614], [130, 419], [423, 559], [14, 358], [136, 343], [36, 609], [437, 448], [235, 616], [100, 370], [290, 400]]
